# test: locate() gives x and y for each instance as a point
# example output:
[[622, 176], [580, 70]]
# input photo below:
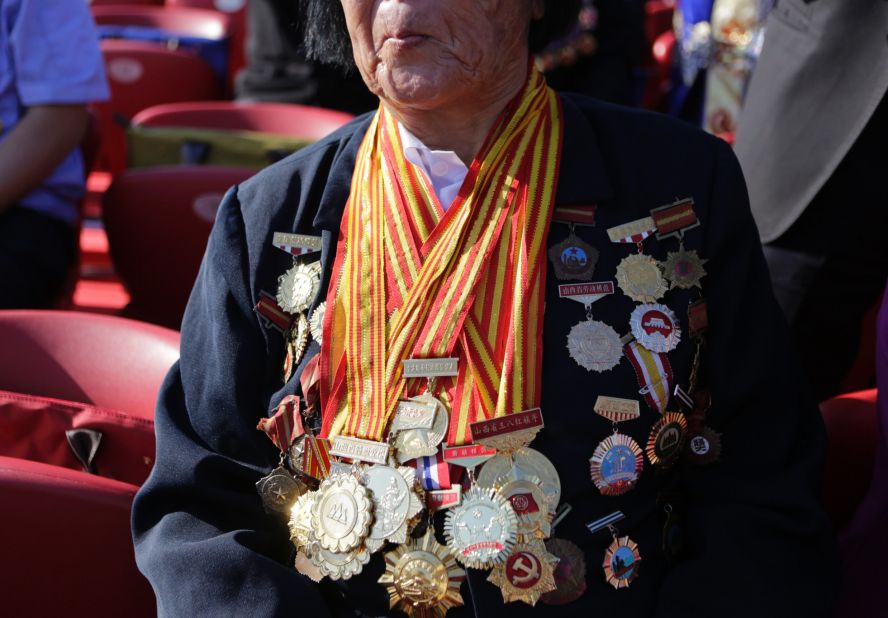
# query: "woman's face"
[[426, 54]]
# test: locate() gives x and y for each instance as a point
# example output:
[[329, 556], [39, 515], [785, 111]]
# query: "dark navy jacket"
[[758, 543]]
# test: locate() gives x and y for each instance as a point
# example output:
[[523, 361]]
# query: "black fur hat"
[[326, 37]]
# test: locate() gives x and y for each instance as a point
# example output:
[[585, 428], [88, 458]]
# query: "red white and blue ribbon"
[[433, 472]]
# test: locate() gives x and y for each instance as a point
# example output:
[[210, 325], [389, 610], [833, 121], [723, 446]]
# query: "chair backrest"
[[158, 221], [94, 3], [141, 75], [97, 359], [184, 21], [68, 549], [278, 118]]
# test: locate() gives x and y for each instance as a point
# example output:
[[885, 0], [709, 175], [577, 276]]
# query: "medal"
[[482, 530], [570, 573], [616, 464], [300, 520], [297, 341], [530, 506], [279, 490], [296, 244], [341, 514], [640, 278], [621, 562], [414, 443], [573, 258], [526, 574], [316, 323], [704, 447], [525, 463], [340, 565], [667, 439], [594, 345], [684, 269], [422, 578], [655, 327], [395, 503], [298, 286]]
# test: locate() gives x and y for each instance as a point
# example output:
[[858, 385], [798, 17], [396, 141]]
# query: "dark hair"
[[326, 36]]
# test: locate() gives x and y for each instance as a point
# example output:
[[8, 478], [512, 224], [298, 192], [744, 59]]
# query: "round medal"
[[621, 562], [422, 578], [595, 346], [684, 269], [394, 503], [667, 439], [413, 443], [573, 258], [570, 573], [525, 463], [655, 327], [316, 323], [300, 520], [526, 574], [639, 276], [279, 490], [340, 565], [298, 286], [341, 513], [530, 505], [704, 447], [482, 530], [616, 464]]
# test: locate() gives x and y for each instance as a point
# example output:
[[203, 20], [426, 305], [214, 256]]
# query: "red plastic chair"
[[852, 427], [182, 20], [141, 75], [237, 10], [97, 359], [158, 220], [67, 548], [277, 118]]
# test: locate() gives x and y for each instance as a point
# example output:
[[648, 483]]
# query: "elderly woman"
[[545, 367]]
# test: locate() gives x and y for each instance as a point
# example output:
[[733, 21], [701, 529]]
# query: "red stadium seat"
[[141, 75], [158, 221], [184, 21], [67, 547], [237, 10], [122, 2], [277, 118], [852, 427], [96, 359]]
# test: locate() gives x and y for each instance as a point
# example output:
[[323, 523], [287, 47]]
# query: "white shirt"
[[444, 169]]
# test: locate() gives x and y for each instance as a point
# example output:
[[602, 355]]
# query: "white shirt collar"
[[444, 169]]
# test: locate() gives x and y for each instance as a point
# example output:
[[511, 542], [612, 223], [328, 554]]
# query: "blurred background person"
[[277, 70], [811, 141], [50, 68]]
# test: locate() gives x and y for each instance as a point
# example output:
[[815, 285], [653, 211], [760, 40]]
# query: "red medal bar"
[[468, 456], [579, 214], [443, 499], [594, 288], [522, 421], [698, 318], [272, 314], [675, 218]]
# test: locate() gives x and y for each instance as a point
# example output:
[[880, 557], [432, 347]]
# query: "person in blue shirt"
[[50, 68]]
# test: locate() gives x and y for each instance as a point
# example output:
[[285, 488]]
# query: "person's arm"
[[201, 536], [36, 146], [761, 544]]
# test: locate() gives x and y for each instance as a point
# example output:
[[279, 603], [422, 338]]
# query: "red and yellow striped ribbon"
[[411, 281]]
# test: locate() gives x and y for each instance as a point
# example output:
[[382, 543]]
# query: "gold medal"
[[298, 286], [340, 565], [316, 323], [482, 530], [341, 514], [684, 269], [297, 341], [621, 562], [667, 439], [530, 506], [639, 276], [616, 464], [414, 443], [526, 574], [525, 463], [300, 520], [395, 503], [422, 578]]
